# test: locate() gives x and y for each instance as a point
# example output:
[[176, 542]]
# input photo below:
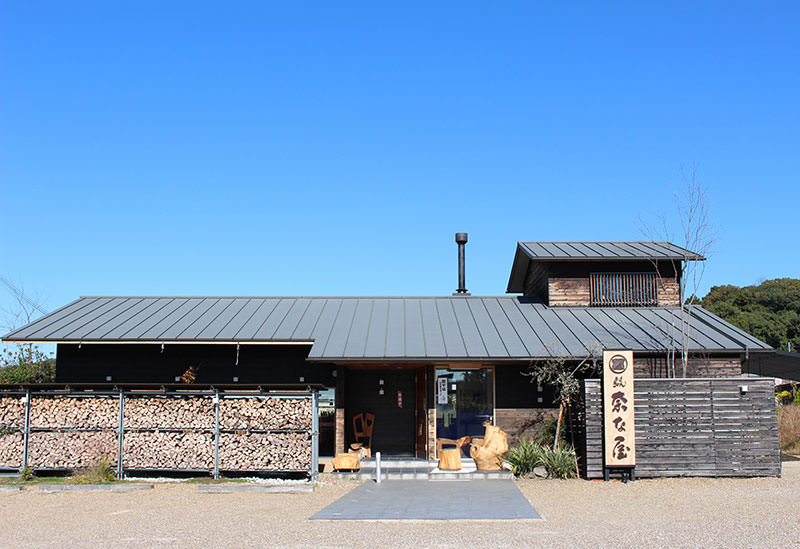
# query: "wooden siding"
[[656, 367], [568, 292], [668, 292], [536, 280], [523, 422], [693, 427], [576, 292]]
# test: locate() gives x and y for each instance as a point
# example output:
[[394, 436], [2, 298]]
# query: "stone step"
[[396, 463], [400, 474]]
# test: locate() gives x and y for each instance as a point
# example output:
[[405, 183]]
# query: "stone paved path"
[[431, 500]]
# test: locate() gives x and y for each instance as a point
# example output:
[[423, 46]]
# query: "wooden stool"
[[450, 459], [349, 461]]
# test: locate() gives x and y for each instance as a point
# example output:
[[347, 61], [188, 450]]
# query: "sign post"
[[619, 432]]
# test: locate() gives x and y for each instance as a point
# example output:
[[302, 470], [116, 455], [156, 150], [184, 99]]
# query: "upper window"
[[623, 289]]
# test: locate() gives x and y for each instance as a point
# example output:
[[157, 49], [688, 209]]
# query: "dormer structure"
[[600, 274]]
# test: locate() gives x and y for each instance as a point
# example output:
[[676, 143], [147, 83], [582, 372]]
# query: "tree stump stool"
[[450, 459], [347, 461]]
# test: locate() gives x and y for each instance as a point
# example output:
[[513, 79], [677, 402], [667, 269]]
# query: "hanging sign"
[[441, 390], [618, 420]]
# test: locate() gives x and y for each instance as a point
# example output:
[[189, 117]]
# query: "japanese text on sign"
[[618, 416]]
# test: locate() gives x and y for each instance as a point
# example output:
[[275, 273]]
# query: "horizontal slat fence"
[[211, 431], [693, 427]]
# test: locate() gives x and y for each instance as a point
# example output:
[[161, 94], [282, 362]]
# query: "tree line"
[[769, 311]]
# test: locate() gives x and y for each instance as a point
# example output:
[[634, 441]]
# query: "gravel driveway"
[[676, 512]]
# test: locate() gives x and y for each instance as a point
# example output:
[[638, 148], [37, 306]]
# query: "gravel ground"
[[647, 513]]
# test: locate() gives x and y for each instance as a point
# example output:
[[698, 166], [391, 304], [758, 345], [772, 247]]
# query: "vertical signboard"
[[618, 420], [441, 390]]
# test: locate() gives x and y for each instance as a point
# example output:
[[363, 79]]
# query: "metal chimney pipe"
[[461, 240]]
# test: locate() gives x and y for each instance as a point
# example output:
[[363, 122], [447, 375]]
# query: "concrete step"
[[400, 474], [399, 463]]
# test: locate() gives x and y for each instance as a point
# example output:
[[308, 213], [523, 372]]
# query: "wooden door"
[[391, 396]]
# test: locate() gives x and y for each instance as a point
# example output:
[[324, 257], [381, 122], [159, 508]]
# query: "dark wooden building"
[[427, 367]]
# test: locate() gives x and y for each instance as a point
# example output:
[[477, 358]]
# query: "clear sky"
[[335, 148]]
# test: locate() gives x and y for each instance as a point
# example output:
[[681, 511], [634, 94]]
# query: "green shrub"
[[783, 397], [559, 463], [524, 457], [527, 455], [27, 474], [548, 433], [26, 364], [100, 473]]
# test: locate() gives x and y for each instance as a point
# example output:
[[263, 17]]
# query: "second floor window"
[[623, 289]]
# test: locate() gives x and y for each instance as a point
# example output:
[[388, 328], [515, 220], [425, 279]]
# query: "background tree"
[[769, 311]]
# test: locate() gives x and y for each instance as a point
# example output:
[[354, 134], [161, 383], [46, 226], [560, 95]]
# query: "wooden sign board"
[[618, 417], [441, 390]]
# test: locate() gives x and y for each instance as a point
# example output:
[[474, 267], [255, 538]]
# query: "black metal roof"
[[450, 328], [592, 251]]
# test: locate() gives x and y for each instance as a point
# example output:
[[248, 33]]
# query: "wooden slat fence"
[[693, 427], [622, 289]]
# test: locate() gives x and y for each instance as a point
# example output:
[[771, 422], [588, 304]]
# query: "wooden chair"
[[460, 443], [450, 459], [362, 428]]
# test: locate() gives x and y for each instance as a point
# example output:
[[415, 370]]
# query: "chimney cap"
[[461, 238]]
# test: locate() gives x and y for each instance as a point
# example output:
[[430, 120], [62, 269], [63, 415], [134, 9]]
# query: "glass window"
[[464, 400], [327, 421]]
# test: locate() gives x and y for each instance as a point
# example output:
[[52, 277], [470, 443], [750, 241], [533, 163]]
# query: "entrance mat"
[[425, 500]]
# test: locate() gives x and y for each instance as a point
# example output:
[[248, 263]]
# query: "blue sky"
[[321, 149]]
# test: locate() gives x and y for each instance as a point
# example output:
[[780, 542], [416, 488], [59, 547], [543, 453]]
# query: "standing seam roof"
[[385, 328]]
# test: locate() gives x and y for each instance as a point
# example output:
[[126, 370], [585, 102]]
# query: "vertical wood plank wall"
[[576, 292], [693, 427]]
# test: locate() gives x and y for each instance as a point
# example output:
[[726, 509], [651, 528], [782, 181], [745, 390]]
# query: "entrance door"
[[391, 396]]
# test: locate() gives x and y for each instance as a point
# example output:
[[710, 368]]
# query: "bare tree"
[[22, 363], [25, 306], [696, 235]]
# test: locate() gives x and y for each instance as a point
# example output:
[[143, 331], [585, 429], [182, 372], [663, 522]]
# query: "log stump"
[[347, 462], [489, 455], [450, 459]]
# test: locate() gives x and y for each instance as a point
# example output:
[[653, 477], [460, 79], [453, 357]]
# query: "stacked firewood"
[[12, 413], [168, 450], [265, 413], [264, 451], [11, 450], [74, 412], [71, 449], [194, 412], [161, 432]]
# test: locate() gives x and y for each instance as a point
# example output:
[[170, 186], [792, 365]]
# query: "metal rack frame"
[[217, 393]]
